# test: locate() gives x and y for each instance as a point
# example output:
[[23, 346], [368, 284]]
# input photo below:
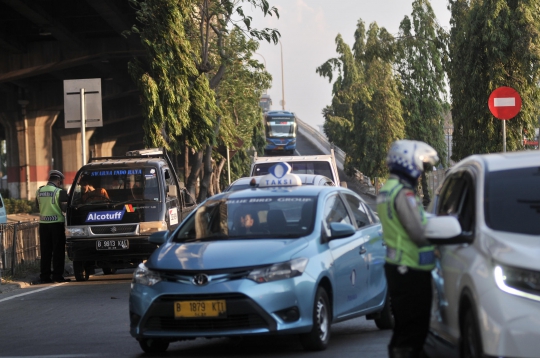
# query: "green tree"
[[365, 115], [419, 63], [492, 44], [187, 57]]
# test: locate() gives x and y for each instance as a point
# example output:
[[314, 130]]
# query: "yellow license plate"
[[200, 309]]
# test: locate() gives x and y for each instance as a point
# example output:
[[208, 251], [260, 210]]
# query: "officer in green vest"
[[52, 237], [409, 256]]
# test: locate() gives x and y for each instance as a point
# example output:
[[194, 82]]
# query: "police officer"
[[409, 256], [52, 237]]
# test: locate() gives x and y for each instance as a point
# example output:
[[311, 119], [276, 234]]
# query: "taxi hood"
[[215, 255]]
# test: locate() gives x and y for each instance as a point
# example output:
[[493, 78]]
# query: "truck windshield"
[[116, 185]]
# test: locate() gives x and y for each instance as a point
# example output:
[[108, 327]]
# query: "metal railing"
[[19, 245]]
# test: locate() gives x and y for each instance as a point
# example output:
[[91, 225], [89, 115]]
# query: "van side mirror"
[[171, 190]]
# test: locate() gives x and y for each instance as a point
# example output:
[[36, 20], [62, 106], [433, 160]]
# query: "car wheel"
[[318, 338], [386, 318], [108, 270], [80, 271], [471, 342], [153, 346]]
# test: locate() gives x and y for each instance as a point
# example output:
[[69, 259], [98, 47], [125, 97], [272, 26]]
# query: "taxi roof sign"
[[280, 175]]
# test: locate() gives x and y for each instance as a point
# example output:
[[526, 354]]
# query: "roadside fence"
[[19, 245]]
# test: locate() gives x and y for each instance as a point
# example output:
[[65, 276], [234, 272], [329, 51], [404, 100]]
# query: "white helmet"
[[409, 156]]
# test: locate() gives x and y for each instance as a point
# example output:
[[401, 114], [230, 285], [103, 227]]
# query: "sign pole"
[[83, 129], [504, 136]]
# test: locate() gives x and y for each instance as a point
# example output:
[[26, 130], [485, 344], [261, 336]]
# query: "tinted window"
[[335, 211], [512, 201], [359, 210]]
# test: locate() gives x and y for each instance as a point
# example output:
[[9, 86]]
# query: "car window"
[[512, 200], [450, 197], [335, 211], [360, 213]]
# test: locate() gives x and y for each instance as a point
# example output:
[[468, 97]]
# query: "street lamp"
[[282, 80]]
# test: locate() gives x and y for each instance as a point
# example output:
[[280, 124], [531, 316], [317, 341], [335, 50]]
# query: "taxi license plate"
[[112, 244], [280, 147], [200, 309]]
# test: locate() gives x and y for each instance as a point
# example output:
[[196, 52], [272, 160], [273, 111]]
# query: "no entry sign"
[[504, 103]]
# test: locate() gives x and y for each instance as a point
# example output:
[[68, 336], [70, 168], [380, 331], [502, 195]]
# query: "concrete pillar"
[[104, 149], [71, 152], [34, 133], [13, 169]]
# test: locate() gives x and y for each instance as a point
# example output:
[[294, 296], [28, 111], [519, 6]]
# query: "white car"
[[486, 299], [253, 182]]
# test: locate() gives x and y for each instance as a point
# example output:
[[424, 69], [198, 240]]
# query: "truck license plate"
[[200, 309], [112, 244]]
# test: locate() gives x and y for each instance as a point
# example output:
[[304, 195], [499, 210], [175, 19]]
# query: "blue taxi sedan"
[[281, 258]]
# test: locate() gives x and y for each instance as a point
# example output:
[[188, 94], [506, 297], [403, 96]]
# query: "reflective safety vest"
[[49, 206], [401, 250]]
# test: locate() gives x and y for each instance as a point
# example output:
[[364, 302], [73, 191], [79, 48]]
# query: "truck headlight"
[[76, 232], [279, 271], [517, 281], [144, 276]]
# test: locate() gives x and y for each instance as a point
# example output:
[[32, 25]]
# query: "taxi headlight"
[[268, 141], [279, 271], [517, 281], [144, 276], [147, 228], [75, 231]]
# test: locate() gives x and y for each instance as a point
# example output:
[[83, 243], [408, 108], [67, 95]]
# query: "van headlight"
[[75, 232], [518, 281], [144, 276], [279, 271], [150, 227]]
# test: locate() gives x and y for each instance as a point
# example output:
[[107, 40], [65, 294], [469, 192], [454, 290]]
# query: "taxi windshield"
[[250, 218], [116, 185]]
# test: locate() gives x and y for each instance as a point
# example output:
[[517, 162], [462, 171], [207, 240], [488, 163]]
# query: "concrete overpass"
[[43, 43]]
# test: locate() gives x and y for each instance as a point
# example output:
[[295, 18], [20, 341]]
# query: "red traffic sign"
[[504, 103]]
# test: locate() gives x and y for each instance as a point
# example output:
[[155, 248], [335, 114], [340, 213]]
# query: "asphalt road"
[[90, 319]]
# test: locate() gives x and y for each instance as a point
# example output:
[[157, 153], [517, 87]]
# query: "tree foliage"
[[192, 46], [492, 44], [365, 115]]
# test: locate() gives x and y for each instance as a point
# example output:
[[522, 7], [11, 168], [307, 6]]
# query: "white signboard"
[[91, 88]]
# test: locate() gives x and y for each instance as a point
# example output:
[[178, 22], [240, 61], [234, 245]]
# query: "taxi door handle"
[[362, 250]]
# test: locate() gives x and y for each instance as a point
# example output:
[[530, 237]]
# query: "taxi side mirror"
[[158, 238], [340, 230]]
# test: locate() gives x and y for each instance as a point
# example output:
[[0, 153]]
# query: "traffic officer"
[[52, 237], [409, 256]]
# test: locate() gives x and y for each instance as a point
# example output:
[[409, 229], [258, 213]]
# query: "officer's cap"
[[56, 174]]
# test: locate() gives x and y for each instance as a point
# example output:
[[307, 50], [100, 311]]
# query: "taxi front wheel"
[[318, 338], [153, 346]]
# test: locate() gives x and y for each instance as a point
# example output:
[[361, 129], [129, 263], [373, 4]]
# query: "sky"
[[308, 30]]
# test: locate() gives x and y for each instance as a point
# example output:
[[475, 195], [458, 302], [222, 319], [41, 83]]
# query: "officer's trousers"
[[410, 297], [52, 240]]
